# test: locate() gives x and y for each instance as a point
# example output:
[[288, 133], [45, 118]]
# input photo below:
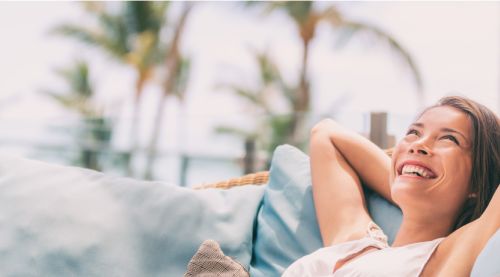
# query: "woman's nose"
[[420, 151], [419, 148]]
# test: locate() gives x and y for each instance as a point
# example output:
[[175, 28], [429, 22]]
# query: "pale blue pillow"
[[488, 262], [66, 221], [286, 224], [386, 215]]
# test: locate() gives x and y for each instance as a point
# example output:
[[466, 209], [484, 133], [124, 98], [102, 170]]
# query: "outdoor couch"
[[67, 221]]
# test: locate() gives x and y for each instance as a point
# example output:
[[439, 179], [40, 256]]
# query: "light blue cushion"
[[65, 221], [488, 262], [286, 224], [386, 215]]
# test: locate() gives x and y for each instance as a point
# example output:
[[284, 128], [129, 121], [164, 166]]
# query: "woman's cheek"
[[465, 171]]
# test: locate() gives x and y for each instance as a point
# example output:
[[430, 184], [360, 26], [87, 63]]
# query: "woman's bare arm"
[[369, 161], [337, 192], [490, 219]]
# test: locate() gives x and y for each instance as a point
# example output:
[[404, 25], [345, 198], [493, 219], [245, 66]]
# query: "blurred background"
[[197, 92]]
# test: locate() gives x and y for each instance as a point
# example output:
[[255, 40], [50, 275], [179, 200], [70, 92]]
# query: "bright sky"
[[455, 45]]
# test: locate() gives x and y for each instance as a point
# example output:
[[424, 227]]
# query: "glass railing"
[[190, 151]]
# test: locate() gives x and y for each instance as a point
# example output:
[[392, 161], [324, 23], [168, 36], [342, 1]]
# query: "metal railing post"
[[249, 159], [378, 129]]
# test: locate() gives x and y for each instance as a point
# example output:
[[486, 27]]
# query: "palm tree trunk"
[[153, 144], [303, 98], [134, 127], [173, 61], [181, 140]]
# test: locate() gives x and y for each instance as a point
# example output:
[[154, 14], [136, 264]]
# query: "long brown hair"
[[485, 175]]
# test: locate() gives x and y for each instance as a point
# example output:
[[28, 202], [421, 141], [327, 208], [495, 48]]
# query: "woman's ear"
[[472, 195]]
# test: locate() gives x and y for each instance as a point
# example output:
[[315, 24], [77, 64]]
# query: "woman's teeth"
[[417, 170]]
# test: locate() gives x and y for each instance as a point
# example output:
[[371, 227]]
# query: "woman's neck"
[[412, 231]]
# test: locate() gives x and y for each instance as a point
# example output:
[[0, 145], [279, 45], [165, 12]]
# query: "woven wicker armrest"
[[259, 178]]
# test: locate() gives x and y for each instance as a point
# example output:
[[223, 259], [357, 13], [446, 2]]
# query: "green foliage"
[[280, 126], [145, 16], [93, 132], [273, 128], [298, 10], [78, 79], [133, 35], [307, 19], [236, 131], [182, 78], [79, 90], [277, 129], [112, 35]]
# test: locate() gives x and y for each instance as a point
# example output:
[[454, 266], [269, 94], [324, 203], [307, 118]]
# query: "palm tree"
[[175, 84], [307, 18], [273, 127], [95, 133], [131, 36]]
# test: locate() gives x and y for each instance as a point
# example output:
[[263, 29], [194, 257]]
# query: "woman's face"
[[431, 165]]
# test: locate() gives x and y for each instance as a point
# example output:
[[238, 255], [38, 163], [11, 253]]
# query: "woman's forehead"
[[445, 117]]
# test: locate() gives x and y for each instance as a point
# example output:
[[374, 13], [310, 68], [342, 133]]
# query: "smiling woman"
[[439, 141], [443, 175]]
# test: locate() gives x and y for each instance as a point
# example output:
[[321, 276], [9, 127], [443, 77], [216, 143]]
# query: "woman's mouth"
[[415, 170]]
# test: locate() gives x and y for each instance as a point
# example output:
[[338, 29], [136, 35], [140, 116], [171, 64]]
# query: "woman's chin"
[[412, 182], [406, 194], [403, 184]]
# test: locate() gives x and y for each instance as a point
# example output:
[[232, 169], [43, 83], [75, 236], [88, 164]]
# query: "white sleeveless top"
[[408, 260]]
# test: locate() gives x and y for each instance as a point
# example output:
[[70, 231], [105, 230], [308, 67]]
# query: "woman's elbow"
[[326, 125]]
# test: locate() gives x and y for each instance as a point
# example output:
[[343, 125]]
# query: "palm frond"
[[271, 75], [269, 72], [245, 93], [235, 131], [93, 7], [80, 33], [115, 37], [139, 17], [280, 126], [351, 28], [298, 10], [78, 90], [113, 45], [77, 77], [159, 12], [143, 52], [331, 15], [182, 77], [289, 92], [70, 102]]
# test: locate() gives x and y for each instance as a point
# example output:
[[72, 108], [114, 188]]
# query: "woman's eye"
[[452, 138], [412, 131]]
